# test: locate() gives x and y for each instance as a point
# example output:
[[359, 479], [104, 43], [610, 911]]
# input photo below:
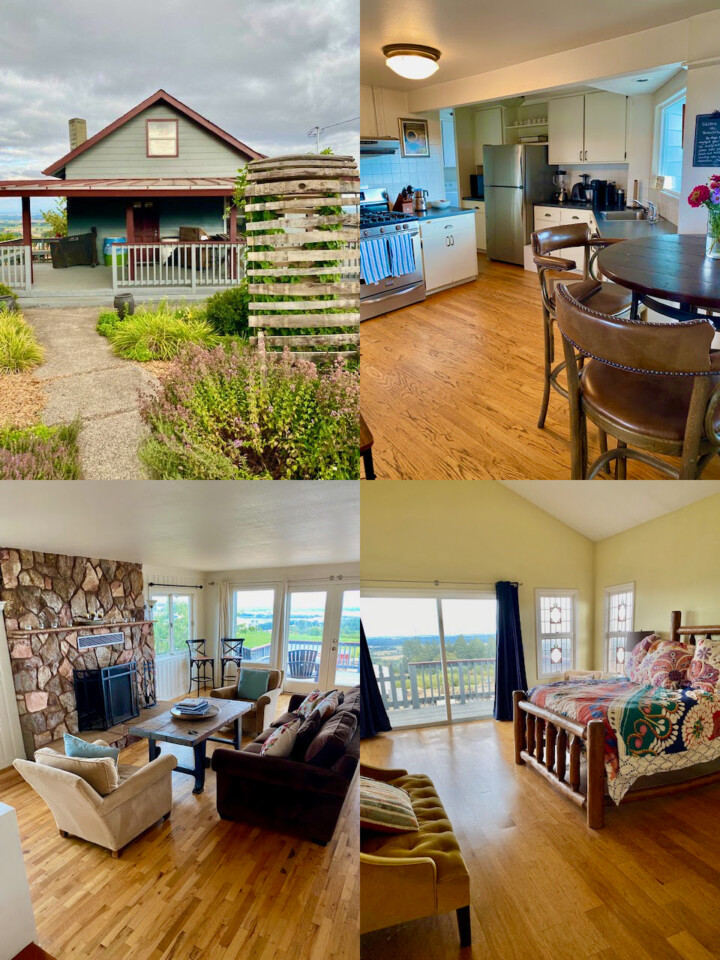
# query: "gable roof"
[[57, 169]]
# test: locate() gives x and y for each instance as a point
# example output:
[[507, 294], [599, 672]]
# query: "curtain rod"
[[332, 577], [186, 586], [448, 583]]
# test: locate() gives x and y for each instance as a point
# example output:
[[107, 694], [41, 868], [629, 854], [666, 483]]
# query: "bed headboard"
[[677, 632]]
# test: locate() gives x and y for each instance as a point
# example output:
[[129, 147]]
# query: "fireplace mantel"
[[85, 628]]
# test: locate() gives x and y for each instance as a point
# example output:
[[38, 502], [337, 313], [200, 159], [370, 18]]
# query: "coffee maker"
[[599, 194]]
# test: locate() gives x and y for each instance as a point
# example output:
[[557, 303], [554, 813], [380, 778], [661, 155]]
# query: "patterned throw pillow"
[[667, 663], [704, 671], [309, 703], [385, 808], [636, 657], [328, 705], [281, 741]]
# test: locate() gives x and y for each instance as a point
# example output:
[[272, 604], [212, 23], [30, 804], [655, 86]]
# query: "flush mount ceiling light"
[[411, 60]]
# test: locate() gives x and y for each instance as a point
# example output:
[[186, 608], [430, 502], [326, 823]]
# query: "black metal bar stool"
[[199, 664], [231, 653]]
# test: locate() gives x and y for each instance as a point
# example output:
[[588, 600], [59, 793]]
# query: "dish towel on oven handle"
[[402, 254], [374, 260]]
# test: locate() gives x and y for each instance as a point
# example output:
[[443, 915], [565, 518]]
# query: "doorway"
[[146, 221]]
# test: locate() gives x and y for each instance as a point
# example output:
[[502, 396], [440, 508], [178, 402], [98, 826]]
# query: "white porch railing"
[[16, 266], [191, 265]]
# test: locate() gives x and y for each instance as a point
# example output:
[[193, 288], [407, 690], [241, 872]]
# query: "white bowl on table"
[[439, 204]]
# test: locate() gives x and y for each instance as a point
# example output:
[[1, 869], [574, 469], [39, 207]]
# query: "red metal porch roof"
[[117, 187]]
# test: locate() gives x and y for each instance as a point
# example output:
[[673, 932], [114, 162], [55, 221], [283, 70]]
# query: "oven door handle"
[[376, 298]]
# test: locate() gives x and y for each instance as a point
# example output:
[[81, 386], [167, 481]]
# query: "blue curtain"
[[373, 715], [510, 663]]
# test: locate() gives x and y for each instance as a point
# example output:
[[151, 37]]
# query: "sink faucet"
[[652, 211]]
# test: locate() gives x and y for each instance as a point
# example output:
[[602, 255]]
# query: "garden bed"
[[40, 453]]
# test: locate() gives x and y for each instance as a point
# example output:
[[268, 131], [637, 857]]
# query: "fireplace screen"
[[107, 696]]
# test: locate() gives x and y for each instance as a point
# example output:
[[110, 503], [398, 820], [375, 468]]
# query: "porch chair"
[[231, 652], [654, 386], [302, 664], [200, 662], [608, 298]]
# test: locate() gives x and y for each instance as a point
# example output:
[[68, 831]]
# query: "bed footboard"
[[552, 745]]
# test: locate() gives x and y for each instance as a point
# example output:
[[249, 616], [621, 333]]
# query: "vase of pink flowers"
[[708, 195]]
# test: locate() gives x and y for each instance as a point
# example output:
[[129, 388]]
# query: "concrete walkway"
[[82, 377]]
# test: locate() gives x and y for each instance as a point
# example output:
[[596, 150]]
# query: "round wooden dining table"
[[670, 267]]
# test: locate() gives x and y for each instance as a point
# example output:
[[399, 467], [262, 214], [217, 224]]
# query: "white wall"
[[17, 923], [703, 96]]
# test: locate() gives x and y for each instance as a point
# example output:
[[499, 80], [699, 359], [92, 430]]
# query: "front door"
[[146, 222]]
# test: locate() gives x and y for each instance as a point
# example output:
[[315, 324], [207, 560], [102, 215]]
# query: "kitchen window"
[[173, 617], [670, 123], [162, 138], [619, 614], [556, 615]]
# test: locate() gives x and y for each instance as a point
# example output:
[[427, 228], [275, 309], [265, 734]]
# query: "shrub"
[[158, 334], [5, 291], [227, 311], [19, 347], [40, 453], [235, 413]]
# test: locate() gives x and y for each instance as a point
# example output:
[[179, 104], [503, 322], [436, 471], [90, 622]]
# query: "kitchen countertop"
[[618, 229], [432, 214]]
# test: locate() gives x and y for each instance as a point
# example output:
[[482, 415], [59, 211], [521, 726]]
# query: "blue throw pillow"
[[75, 747], [252, 684]]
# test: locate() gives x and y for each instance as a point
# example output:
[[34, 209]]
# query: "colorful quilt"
[[647, 729]]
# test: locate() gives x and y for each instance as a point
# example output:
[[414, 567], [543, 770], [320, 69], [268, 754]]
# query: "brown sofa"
[[263, 711], [294, 794]]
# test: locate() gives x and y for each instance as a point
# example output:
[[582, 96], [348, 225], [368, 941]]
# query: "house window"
[[619, 613], [671, 122], [253, 618], [173, 622], [162, 138], [556, 614]]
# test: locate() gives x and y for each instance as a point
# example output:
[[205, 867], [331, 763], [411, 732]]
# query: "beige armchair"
[[142, 797], [264, 709]]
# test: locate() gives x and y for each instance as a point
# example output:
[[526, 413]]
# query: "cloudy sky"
[[264, 70]]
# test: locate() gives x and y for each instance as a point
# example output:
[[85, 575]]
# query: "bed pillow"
[[636, 657], [667, 664], [704, 670], [385, 808]]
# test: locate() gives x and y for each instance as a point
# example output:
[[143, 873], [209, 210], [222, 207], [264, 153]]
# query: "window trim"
[[657, 138], [163, 156], [160, 591], [278, 586], [573, 593], [608, 593]]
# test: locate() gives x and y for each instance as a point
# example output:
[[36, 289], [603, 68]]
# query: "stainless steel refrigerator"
[[517, 176]]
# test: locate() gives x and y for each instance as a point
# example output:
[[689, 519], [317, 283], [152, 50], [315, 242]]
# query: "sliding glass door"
[[433, 655], [253, 618], [322, 637]]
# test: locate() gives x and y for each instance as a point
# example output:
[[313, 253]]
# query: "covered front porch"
[[174, 238]]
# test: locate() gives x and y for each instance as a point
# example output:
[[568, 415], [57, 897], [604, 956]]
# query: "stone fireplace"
[[45, 595]]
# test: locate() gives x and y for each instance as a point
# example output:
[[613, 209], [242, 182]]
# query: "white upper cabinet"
[[605, 128], [588, 129], [566, 143], [448, 143], [488, 129]]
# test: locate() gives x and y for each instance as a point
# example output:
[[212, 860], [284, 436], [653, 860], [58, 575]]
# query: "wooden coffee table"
[[194, 733]]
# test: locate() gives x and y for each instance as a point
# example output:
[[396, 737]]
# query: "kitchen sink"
[[624, 215]]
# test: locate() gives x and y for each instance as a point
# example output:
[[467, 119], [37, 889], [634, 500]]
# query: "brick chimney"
[[78, 132]]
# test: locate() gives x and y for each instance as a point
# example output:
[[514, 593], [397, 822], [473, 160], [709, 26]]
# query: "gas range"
[[377, 220]]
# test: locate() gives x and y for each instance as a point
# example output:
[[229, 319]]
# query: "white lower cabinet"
[[561, 217], [478, 206], [449, 251]]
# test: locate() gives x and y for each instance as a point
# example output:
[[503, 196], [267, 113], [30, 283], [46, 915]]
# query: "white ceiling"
[[475, 37], [198, 525], [600, 510]]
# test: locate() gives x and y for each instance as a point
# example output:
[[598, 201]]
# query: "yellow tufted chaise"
[[411, 875]]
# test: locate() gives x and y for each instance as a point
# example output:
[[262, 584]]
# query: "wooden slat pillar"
[[130, 235], [232, 230], [27, 228]]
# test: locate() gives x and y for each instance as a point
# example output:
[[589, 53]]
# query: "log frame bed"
[[552, 745]]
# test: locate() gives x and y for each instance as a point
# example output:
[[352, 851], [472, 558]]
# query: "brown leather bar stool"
[[200, 662], [231, 653], [608, 298], [655, 387]]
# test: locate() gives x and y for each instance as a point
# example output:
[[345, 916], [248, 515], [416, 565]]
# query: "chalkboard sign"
[[707, 140]]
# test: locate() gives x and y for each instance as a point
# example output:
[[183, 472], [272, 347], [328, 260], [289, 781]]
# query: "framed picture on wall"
[[414, 138]]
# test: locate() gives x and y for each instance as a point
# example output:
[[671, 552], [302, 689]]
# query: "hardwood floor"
[[451, 387], [194, 887], [545, 886]]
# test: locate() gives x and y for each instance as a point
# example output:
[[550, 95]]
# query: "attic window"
[[162, 138]]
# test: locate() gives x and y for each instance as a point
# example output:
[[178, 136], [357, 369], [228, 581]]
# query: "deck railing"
[[422, 683], [173, 264], [348, 652], [15, 265]]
